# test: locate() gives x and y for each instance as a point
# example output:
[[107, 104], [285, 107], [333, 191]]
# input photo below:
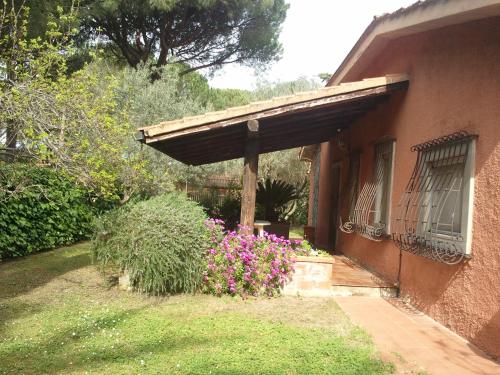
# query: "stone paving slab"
[[413, 341]]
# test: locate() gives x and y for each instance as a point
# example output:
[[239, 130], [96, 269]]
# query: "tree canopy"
[[81, 122], [200, 33]]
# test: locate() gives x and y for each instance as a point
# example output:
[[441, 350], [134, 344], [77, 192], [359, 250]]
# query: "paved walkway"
[[413, 341]]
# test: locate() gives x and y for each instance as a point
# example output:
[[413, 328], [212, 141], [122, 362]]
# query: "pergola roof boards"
[[284, 122]]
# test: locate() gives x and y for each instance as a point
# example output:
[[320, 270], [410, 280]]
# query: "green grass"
[[57, 316], [296, 231]]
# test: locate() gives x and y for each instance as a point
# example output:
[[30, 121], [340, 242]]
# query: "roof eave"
[[419, 17]]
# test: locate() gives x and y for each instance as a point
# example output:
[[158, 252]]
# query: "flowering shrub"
[[303, 248], [246, 265]]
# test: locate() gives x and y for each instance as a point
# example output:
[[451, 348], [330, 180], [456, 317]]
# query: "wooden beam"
[[235, 148], [207, 148], [157, 135], [260, 110], [250, 168]]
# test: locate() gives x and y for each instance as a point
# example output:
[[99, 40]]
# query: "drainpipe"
[[398, 282]]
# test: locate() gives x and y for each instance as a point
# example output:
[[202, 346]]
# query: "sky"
[[316, 36]]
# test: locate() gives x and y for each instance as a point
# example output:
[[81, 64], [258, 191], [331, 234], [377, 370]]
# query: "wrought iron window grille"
[[371, 210], [432, 218]]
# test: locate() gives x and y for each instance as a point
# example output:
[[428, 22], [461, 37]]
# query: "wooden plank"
[[222, 151], [250, 169], [264, 148], [266, 140], [201, 144], [218, 158], [308, 127], [360, 105], [226, 142], [188, 139], [299, 142]]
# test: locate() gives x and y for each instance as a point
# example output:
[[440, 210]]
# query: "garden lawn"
[[57, 315], [297, 232]]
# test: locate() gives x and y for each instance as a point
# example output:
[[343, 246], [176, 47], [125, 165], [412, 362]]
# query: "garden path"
[[413, 340]]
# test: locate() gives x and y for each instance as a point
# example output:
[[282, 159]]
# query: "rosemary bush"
[[159, 242]]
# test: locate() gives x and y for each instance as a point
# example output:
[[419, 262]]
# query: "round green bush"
[[160, 243]]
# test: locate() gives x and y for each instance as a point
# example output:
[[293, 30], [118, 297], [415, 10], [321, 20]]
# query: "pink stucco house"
[[411, 190]]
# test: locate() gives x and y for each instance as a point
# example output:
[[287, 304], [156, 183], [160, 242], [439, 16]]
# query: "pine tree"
[[199, 33]]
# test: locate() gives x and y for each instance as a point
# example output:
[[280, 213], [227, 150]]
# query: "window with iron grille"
[[434, 216], [372, 208]]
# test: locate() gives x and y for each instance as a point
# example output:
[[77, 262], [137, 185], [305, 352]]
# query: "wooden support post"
[[250, 168]]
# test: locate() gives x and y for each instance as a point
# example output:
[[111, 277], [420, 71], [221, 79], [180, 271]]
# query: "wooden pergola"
[[278, 124]]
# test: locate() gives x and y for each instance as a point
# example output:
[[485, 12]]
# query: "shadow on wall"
[[490, 332], [412, 269]]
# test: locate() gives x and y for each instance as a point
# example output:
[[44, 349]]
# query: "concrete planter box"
[[312, 277]]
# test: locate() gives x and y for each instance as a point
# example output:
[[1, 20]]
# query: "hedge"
[[39, 210]]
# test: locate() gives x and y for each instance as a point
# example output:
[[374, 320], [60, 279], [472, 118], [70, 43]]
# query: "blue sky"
[[316, 37]]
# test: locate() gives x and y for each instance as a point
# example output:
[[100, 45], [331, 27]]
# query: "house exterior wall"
[[454, 85]]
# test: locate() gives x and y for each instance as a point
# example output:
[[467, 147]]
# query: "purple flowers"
[[246, 265]]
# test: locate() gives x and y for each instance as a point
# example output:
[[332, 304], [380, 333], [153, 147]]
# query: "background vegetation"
[[72, 95]]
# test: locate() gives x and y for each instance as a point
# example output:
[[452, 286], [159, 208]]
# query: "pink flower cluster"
[[247, 265]]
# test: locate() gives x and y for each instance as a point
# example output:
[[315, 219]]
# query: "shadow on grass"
[[72, 349], [16, 310], [21, 276], [218, 345]]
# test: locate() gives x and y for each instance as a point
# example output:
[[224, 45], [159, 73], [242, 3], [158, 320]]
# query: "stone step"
[[335, 277], [328, 290], [341, 291], [365, 291]]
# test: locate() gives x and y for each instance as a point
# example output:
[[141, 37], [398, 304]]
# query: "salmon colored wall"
[[454, 85]]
